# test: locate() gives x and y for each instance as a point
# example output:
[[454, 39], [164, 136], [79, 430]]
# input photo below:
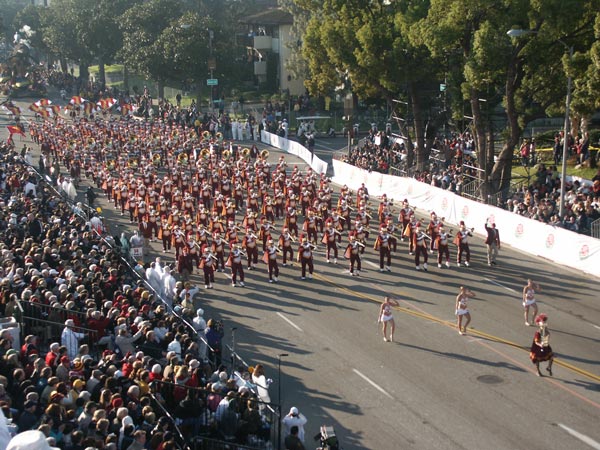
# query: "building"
[[268, 37]]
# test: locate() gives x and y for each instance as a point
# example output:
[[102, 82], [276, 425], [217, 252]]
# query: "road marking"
[[582, 437], [372, 264], [376, 386], [290, 322], [326, 147], [596, 326], [501, 285]]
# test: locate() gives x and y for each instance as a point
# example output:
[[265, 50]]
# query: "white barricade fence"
[[294, 148], [531, 236]]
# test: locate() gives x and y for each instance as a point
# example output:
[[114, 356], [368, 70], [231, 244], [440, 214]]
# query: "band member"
[[178, 241], [229, 210], [285, 244], [251, 246], [310, 227], [165, 235], [207, 265], [391, 228], [237, 269], [405, 215], [409, 232], [529, 299], [442, 245], [291, 220], [385, 317], [432, 230], [279, 197], [329, 241], [305, 257], [145, 229], [344, 211], [264, 231], [353, 254], [271, 257], [218, 249], [462, 241], [360, 235], [268, 209], [540, 348], [461, 308], [250, 220], [382, 243], [336, 223], [420, 246]]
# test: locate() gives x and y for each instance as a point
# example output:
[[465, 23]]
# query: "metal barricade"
[[595, 229]]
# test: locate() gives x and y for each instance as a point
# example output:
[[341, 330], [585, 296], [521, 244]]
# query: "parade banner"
[[531, 236], [294, 148]]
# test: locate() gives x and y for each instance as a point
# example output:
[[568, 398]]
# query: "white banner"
[[531, 236], [294, 148]]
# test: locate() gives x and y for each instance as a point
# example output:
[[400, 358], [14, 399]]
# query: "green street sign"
[[442, 87], [212, 82]]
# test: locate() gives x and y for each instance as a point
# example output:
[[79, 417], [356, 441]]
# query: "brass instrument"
[[219, 136], [156, 159], [544, 337], [264, 154], [245, 152], [111, 164], [361, 244], [205, 153], [182, 158], [226, 154], [206, 135]]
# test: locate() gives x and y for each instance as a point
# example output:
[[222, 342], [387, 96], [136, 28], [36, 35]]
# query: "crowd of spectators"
[[104, 360], [452, 165]]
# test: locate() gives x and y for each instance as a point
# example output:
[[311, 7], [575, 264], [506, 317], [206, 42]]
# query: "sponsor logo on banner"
[[445, 203], [519, 230], [550, 241], [584, 252], [465, 212]]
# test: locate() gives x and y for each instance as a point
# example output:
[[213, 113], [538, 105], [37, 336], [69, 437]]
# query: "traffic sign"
[[212, 82]]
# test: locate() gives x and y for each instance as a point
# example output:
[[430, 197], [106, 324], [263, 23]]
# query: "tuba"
[[111, 164], [226, 154], [245, 152], [219, 136], [182, 158], [206, 135], [205, 153], [264, 154], [156, 159]]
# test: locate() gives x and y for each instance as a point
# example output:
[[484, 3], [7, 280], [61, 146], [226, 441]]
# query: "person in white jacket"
[[294, 418], [70, 339]]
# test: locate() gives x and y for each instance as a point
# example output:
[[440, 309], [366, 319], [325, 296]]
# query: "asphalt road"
[[432, 388]]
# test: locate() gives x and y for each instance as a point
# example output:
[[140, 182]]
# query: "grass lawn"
[[583, 172]]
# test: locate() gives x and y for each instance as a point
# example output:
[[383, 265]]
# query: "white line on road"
[[582, 437], [501, 285], [596, 326], [290, 322], [372, 264], [376, 386]]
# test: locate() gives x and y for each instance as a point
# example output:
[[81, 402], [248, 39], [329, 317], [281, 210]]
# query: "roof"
[[272, 16]]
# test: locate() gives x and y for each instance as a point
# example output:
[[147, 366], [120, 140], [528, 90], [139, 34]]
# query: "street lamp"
[[515, 33], [281, 355]]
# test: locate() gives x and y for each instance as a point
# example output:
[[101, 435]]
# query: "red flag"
[[15, 130]]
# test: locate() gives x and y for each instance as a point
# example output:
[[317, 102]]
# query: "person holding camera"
[[294, 419]]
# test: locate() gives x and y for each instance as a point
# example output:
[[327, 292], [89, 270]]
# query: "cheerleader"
[[461, 309], [540, 348]]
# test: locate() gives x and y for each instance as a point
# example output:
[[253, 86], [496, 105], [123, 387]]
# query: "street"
[[432, 388]]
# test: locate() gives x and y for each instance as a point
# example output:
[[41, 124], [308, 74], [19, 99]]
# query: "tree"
[[377, 58], [143, 46]]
